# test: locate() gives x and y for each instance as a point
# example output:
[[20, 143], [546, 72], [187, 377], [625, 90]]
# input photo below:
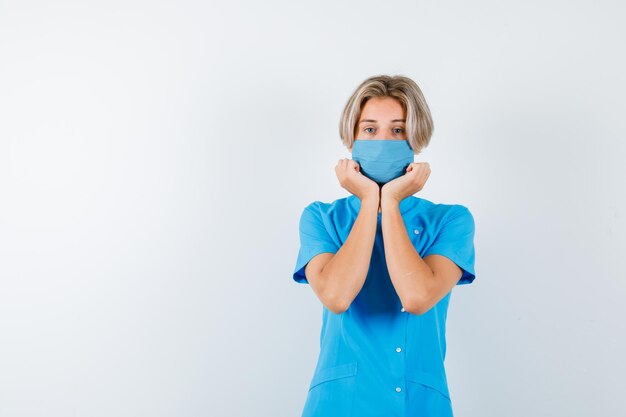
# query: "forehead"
[[382, 108]]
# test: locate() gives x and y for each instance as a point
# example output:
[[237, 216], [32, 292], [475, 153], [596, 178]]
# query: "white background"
[[155, 158]]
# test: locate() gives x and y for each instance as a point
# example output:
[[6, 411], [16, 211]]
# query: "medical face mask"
[[382, 160]]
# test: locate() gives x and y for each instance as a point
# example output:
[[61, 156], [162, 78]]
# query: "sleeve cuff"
[[467, 268], [307, 253]]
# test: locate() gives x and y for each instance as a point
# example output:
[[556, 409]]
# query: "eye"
[[400, 130], [368, 128]]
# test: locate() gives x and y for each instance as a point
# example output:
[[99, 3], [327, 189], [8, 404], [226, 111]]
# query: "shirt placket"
[[399, 364]]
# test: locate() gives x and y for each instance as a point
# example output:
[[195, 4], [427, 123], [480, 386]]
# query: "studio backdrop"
[[155, 158]]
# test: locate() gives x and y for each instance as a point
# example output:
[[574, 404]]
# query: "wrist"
[[389, 204], [372, 194], [370, 198], [389, 198]]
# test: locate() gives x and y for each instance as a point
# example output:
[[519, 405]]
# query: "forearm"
[[410, 275], [344, 275]]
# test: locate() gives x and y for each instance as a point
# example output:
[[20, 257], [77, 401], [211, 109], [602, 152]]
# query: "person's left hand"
[[411, 182]]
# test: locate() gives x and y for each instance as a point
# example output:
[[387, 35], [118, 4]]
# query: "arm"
[[420, 283], [337, 278]]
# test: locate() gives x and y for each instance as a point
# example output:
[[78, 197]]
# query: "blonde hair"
[[419, 123]]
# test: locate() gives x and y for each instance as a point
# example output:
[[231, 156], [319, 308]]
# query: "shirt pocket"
[[331, 392], [428, 395]]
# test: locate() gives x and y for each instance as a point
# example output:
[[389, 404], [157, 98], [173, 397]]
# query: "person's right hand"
[[350, 177]]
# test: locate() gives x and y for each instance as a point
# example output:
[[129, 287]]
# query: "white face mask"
[[382, 160]]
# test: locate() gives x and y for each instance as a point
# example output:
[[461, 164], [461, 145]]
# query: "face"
[[381, 118]]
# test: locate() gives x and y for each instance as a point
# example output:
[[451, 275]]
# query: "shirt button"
[[398, 389], [398, 349], [416, 231], [402, 310]]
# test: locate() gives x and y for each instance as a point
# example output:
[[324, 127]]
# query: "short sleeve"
[[455, 240], [314, 239]]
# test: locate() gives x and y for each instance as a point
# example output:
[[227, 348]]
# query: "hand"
[[408, 184], [350, 177]]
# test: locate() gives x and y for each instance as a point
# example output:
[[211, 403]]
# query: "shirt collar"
[[405, 205]]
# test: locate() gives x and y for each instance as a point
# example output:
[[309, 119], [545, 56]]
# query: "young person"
[[383, 263]]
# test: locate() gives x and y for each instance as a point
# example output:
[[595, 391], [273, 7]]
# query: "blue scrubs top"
[[375, 358]]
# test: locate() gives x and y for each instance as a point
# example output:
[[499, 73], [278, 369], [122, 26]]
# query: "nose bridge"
[[383, 132]]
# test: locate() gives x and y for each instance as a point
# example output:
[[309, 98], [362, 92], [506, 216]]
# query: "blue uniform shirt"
[[375, 358]]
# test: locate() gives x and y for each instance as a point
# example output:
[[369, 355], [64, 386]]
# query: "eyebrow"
[[376, 121]]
